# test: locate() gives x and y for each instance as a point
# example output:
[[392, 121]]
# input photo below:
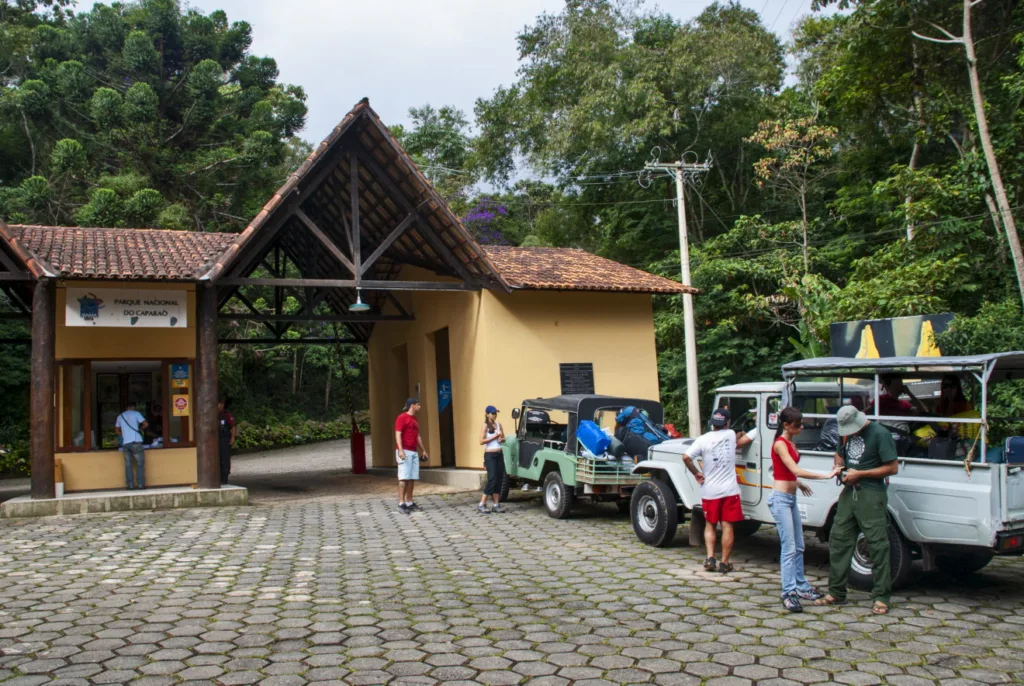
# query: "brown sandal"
[[828, 600], [879, 608]]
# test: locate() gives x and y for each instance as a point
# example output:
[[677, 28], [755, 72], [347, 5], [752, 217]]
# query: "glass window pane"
[[77, 398]]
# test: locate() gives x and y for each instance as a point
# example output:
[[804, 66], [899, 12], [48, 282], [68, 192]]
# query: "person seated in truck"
[[889, 402], [940, 438]]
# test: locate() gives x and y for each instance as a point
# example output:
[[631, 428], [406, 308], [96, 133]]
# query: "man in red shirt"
[[409, 452], [889, 402]]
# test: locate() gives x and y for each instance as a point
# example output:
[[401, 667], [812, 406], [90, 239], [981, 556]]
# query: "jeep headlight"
[[650, 452]]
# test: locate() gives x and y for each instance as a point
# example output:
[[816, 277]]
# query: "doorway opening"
[[446, 413], [400, 380]]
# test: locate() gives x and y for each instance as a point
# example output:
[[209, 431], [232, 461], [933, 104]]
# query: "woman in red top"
[[782, 504]]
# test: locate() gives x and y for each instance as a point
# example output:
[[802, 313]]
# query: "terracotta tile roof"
[[122, 253], [93, 253], [569, 269]]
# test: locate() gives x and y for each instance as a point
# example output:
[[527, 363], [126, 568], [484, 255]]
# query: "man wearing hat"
[[867, 453], [719, 489], [409, 452]]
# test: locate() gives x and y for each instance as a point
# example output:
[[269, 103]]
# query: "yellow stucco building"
[[360, 238], [501, 348]]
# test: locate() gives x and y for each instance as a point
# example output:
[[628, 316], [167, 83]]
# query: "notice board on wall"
[[577, 378]]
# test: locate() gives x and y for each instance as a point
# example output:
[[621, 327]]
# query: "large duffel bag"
[[637, 432]]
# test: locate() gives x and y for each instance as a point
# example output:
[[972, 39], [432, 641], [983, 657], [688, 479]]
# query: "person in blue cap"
[[491, 438]]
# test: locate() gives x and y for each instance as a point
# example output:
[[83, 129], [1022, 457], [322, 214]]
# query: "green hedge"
[[294, 430], [15, 460]]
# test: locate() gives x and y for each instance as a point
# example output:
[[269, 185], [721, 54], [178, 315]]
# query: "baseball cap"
[[720, 417], [410, 402], [491, 409]]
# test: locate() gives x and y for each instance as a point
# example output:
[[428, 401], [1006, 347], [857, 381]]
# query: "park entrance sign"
[[111, 307]]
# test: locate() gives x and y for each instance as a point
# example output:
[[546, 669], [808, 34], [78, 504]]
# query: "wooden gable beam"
[[385, 285], [392, 237], [357, 254], [325, 241], [425, 230]]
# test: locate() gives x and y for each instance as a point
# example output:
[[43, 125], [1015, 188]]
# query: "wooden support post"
[[207, 446], [44, 375]]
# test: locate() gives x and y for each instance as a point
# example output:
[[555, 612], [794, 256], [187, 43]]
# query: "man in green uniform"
[[868, 456]]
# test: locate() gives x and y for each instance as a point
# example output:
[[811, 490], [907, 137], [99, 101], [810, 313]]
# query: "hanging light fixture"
[[358, 305]]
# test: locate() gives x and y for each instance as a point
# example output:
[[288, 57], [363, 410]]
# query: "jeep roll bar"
[[983, 368]]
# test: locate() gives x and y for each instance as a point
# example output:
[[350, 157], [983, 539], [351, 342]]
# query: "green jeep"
[[545, 451]]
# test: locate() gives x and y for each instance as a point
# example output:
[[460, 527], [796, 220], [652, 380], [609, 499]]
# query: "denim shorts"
[[409, 468]]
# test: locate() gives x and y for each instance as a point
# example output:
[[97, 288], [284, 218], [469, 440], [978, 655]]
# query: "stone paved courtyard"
[[353, 592]]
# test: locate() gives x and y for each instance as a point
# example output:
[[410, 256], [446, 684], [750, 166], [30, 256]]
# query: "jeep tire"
[[557, 496], [900, 561], [506, 486], [654, 513], [748, 527]]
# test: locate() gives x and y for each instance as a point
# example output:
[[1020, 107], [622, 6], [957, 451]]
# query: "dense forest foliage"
[[848, 179]]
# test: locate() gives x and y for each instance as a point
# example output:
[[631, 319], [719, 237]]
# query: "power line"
[[779, 15]]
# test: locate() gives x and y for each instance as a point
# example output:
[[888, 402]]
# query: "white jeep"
[[955, 503]]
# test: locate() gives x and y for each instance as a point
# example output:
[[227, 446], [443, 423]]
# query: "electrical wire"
[[779, 15]]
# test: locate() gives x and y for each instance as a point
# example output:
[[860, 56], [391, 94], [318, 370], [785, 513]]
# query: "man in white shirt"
[[719, 489], [129, 427]]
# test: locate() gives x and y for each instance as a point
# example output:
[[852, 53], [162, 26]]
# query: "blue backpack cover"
[[640, 425]]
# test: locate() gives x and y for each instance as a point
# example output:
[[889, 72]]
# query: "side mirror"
[[515, 413]]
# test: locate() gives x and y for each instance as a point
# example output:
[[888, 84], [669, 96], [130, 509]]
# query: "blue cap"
[[410, 402], [491, 409]]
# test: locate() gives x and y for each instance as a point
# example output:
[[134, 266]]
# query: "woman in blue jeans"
[[782, 503]]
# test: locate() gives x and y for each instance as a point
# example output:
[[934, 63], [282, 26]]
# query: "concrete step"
[[469, 479], [123, 501]]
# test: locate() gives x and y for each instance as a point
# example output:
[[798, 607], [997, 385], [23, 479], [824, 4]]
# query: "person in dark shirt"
[[889, 402], [226, 437], [867, 454]]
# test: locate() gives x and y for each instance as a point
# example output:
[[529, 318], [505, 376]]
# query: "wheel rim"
[[647, 514], [861, 560], [552, 496]]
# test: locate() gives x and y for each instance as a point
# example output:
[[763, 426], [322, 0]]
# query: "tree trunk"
[[327, 392], [803, 226], [996, 177], [295, 370], [1000, 235], [921, 126]]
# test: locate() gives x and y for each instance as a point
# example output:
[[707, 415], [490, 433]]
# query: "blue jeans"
[[791, 539], [134, 450]]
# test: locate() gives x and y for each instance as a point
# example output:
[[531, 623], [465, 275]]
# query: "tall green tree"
[[140, 114]]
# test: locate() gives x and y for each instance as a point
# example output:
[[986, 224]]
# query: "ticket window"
[[95, 393]]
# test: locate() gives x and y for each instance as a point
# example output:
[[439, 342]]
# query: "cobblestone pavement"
[[354, 592], [318, 471]]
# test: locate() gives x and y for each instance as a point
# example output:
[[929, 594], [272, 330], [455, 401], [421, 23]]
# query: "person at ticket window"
[[129, 427]]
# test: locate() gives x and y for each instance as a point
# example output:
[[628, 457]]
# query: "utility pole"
[[680, 171]]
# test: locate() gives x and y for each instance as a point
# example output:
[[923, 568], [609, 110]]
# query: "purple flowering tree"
[[484, 221]]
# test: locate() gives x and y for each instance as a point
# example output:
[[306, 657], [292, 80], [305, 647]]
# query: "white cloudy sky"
[[403, 53]]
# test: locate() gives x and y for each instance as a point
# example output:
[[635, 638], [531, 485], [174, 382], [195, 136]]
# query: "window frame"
[[65, 400]]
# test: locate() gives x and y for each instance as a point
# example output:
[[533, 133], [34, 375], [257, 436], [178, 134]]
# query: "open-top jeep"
[[957, 501], [546, 451]]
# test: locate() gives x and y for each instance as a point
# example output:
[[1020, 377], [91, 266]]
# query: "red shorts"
[[727, 509]]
